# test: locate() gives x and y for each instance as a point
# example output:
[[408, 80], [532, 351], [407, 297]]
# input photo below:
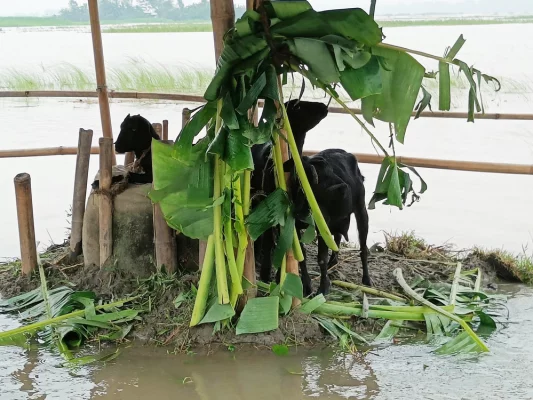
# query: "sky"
[[49, 7]]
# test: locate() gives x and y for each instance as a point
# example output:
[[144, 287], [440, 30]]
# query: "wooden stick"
[[158, 128], [28, 247], [106, 201], [185, 117], [80, 192], [99, 65], [200, 99], [364, 158], [165, 129], [129, 158], [166, 252]]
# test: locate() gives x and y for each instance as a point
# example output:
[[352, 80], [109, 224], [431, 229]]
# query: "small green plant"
[[512, 266]]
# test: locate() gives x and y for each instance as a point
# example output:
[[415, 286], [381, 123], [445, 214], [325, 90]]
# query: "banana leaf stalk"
[[236, 278], [364, 289], [406, 313], [205, 281], [239, 216], [32, 328], [399, 277], [222, 283]]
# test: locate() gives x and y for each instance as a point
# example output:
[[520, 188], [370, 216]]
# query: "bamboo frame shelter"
[[223, 17]]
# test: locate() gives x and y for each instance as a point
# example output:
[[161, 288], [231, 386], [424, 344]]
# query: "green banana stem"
[[246, 192], [222, 283], [315, 209], [205, 280], [236, 278], [239, 215], [363, 126]]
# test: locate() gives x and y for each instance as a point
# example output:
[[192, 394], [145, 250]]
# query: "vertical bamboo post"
[[106, 201], [166, 252], [28, 247], [223, 19], [101, 86], [158, 128], [165, 129], [292, 263], [80, 191]]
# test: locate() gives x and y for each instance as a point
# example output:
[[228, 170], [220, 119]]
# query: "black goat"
[[135, 135], [338, 186], [303, 116]]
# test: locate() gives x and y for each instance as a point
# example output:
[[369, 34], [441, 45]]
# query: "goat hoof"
[[307, 290], [324, 288], [367, 281]]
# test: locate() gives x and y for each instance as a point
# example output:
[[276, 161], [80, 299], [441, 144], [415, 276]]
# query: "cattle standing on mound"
[[136, 134], [303, 116], [338, 186]]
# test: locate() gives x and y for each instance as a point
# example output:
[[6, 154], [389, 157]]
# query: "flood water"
[[401, 371], [464, 208]]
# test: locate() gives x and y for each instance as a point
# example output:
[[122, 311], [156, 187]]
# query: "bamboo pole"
[[99, 65], [363, 158], [165, 129], [28, 247], [80, 191], [166, 252], [106, 201], [200, 99], [223, 19], [158, 127]]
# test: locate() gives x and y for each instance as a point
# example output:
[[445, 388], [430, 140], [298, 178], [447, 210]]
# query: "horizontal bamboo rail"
[[474, 166], [200, 99]]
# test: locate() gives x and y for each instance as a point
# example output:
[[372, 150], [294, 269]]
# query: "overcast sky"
[[49, 7]]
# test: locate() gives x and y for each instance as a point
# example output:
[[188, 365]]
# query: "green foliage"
[[195, 184], [259, 315]]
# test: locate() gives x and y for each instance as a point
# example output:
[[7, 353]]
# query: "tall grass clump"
[[519, 266], [137, 75]]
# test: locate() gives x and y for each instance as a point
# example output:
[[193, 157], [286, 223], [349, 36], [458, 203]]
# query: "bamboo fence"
[[199, 99], [99, 65], [364, 158]]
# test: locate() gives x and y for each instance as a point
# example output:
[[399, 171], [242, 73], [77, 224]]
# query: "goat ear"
[[128, 116], [315, 174]]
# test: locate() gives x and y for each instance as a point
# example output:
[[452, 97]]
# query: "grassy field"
[[154, 25], [136, 76]]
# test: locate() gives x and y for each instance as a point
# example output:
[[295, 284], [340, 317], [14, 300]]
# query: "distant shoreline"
[[153, 25]]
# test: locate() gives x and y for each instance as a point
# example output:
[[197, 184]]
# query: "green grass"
[[161, 28], [519, 265], [157, 25], [137, 76]]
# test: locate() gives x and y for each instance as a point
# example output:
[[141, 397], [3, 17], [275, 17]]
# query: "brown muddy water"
[[402, 371]]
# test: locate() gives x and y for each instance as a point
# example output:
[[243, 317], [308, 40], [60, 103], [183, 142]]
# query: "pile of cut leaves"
[[454, 316], [63, 319]]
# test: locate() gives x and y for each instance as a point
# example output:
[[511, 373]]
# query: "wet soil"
[[164, 323]]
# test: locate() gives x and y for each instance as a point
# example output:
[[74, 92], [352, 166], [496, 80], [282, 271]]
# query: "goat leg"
[[361, 216], [322, 257], [334, 259]]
